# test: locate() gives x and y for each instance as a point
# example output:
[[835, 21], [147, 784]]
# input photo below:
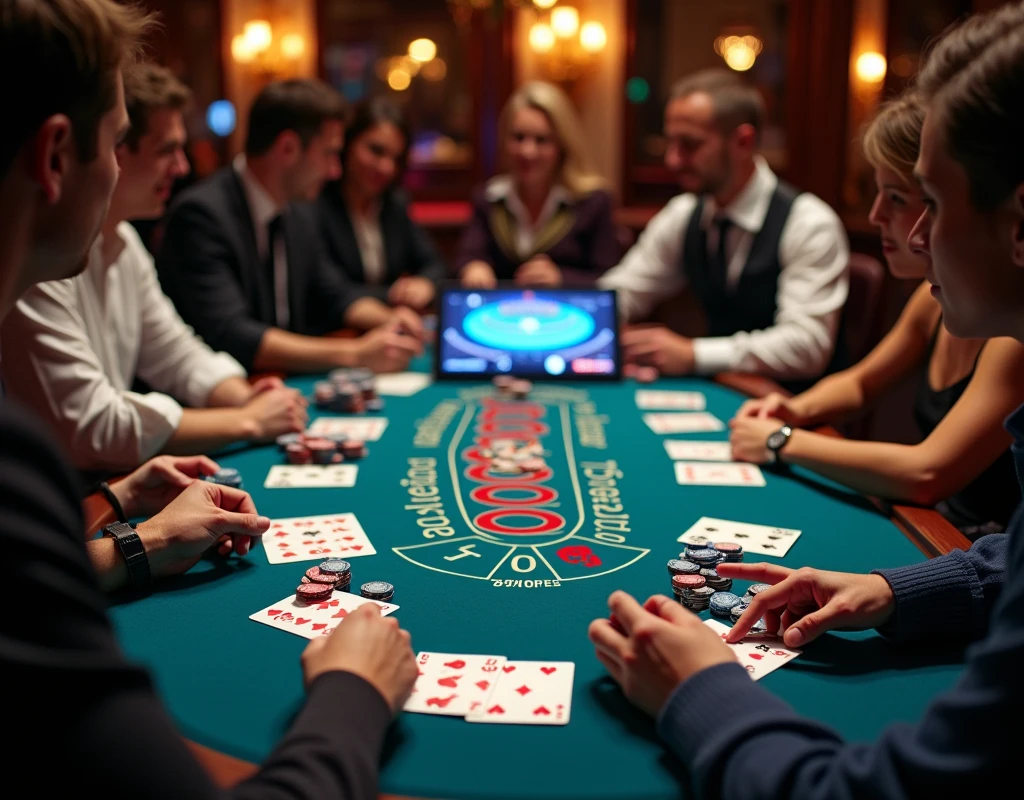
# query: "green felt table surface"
[[232, 684]]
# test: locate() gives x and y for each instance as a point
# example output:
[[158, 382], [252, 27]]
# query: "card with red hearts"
[[316, 538], [529, 693], [758, 655], [310, 620], [449, 684]]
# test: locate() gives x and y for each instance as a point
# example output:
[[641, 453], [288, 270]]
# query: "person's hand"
[[406, 321], [478, 275], [386, 349], [414, 291], [771, 406], [370, 646], [749, 438], [805, 603], [650, 650], [274, 411], [261, 385], [539, 271], [669, 353], [203, 516], [156, 483]]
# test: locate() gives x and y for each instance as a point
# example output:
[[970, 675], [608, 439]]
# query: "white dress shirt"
[[263, 210], [370, 242], [72, 349], [502, 187], [812, 289]]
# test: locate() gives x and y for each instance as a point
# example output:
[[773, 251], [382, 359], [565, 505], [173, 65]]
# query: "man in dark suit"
[[241, 257]]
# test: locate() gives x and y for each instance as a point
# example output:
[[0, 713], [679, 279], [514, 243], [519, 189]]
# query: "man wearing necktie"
[[766, 263]]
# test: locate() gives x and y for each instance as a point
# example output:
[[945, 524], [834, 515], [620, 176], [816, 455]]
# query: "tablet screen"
[[556, 334]]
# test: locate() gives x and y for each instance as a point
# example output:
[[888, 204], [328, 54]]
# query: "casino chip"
[[226, 477], [705, 557], [314, 592], [731, 552], [377, 590], [678, 566], [757, 588], [737, 610], [722, 603], [316, 576]]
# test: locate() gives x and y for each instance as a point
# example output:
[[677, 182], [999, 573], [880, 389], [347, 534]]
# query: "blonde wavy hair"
[[576, 171], [893, 138]]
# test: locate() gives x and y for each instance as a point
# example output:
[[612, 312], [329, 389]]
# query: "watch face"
[[776, 440]]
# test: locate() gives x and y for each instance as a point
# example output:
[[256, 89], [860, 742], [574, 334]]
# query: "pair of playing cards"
[[310, 620], [492, 689], [311, 476], [761, 539], [758, 655], [679, 450], [309, 538], [703, 473], [683, 422], [657, 400], [364, 429]]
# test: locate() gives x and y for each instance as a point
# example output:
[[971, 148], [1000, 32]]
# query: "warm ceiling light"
[[407, 64], [593, 37], [542, 38], [399, 79], [544, 4], [241, 51], [422, 50], [258, 35], [870, 67], [565, 21], [434, 70], [738, 55], [293, 46]]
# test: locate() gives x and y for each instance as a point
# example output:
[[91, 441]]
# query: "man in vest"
[[767, 264]]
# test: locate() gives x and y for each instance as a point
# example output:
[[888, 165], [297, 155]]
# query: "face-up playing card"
[[529, 693], [683, 422], [698, 451], [451, 684], [311, 476], [309, 538], [758, 655], [696, 473], [365, 429], [314, 619], [402, 384], [654, 400], [761, 539]]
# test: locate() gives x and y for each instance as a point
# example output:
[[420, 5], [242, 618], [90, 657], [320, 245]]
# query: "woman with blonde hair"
[[547, 220], [968, 388]]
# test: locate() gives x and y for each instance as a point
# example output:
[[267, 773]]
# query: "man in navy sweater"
[[739, 740]]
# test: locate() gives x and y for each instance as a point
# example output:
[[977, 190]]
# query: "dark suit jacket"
[[407, 248], [209, 266], [580, 239]]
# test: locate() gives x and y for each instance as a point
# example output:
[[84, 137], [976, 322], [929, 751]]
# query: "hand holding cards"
[[758, 655]]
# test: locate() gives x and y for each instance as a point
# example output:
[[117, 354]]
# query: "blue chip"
[[757, 588], [759, 627], [724, 601], [335, 566], [704, 556], [678, 566]]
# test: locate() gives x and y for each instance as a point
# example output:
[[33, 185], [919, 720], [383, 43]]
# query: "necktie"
[[270, 265], [720, 264]]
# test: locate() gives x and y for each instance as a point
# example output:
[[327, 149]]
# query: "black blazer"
[[210, 268], [407, 248]]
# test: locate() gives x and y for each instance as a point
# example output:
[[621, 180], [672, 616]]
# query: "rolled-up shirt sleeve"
[[50, 365]]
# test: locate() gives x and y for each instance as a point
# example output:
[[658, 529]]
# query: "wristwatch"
[[130, 545], [777, 441]]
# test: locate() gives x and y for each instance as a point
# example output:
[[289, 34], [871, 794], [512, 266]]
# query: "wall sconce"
[[420, 60], [870, 67], [254, 46], [567, 48], [739, 52]]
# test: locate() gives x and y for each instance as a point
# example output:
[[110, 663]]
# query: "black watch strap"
[[130, 545]]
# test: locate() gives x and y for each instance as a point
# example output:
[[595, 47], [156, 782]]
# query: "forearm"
[[832, 399], [229, 393], [283, 351], [108, 563], [366, 313], [202, 430]]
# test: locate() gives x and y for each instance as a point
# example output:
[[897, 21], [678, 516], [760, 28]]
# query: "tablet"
[[542, 334]]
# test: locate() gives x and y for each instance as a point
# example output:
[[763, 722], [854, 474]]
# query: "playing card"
[[698, 473], [311, 476], [365, 429], [314, 619], [450, 684], [761, 539], [698, 451], [316, 538], [529, 693], [683, 422], [402, 384], [758, 655], [653, 399]]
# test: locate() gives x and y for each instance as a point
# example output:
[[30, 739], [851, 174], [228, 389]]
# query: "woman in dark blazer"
[[548, 220], [364, 217]]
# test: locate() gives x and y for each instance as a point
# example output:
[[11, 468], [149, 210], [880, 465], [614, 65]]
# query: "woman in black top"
[[365, 224], [963, 465]]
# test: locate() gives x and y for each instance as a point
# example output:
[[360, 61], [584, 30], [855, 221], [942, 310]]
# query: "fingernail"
[[263, 522], [795, 637]]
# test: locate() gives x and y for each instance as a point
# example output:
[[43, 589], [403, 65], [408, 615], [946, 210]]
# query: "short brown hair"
[[301, 105], [62, 57], [893, 138], [147, 88], [735, 102]]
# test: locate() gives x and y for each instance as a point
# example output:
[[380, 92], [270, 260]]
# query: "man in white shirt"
[[73, 348], [767, 264]]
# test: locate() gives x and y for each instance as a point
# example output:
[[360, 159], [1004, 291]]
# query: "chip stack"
[[314, 592], [226, 477], [757, 588], [705, 557], [331, 449], [722, 604], [340, 570], [698, 599], [348, 391], [677, 566], [737, 610], [377, 590], [323, 451], [716, 581], [731, 552]]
